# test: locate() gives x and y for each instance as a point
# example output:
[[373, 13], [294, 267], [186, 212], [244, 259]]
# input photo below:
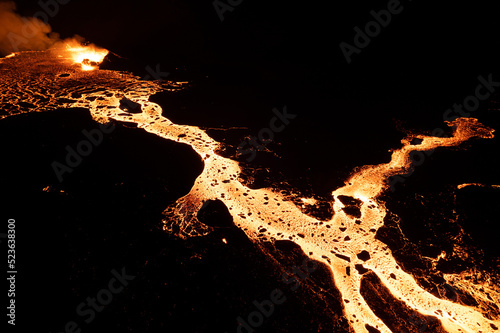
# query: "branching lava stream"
[[42, 81]]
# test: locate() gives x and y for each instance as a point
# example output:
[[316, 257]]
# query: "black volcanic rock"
[[104, 215], [129, 106], [215, 214], [352, 205]]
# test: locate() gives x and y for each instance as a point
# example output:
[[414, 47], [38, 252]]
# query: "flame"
[[88, 56]]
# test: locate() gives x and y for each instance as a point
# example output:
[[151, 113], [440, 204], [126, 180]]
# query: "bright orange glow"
[[461, 186], [88, 56]]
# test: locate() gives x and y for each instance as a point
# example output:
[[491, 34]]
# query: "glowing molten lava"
[[346, 244], [89, 56]]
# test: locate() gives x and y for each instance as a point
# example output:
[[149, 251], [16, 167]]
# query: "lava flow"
[[344, 243]]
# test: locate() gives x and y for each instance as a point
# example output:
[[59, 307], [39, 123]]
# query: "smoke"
[[19, 33]]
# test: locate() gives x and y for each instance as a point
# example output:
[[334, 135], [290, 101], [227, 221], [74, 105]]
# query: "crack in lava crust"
[[32, 82]]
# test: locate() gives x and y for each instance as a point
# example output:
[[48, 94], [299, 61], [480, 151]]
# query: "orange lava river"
[[42, 81]]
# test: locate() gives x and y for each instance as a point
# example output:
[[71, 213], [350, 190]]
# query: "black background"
[[263, 55]]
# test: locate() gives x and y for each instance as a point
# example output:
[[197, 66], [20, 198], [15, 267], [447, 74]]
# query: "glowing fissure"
[[461, 186], [265, 214]]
